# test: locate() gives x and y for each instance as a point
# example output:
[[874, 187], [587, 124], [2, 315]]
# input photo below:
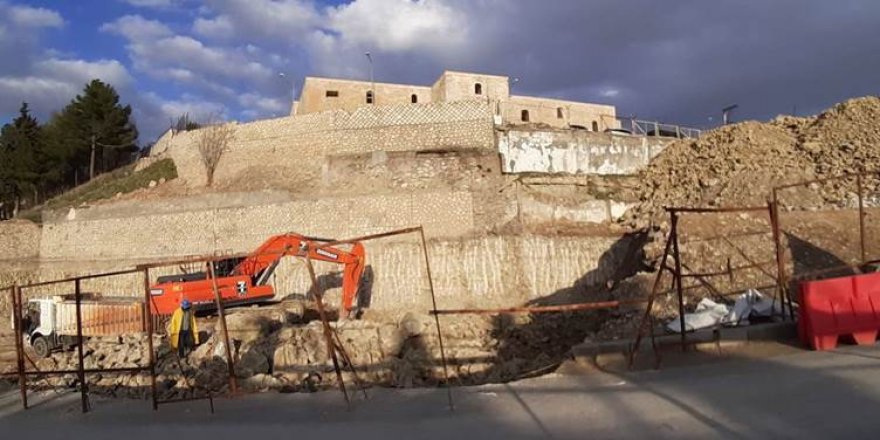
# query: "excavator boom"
[[247, 282]]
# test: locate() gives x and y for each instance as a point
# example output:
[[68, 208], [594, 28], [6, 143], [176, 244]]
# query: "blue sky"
[[677, 61]]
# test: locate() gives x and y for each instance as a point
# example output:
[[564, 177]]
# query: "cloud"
[[30, 17], [275, 22], [217, 28], [263, 104], [400, 25], [52, 83], [135, 27], [155, 50], [150, 3]]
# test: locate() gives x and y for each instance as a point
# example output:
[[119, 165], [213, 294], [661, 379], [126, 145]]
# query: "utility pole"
[[92, 160], [372, 82], [283, 76]]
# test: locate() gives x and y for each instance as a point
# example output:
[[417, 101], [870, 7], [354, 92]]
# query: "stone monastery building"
[[322, 94]]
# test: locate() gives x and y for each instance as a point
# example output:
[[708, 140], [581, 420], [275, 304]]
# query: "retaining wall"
[[575, 152], [298, 145], [243, 228], [492, 271]]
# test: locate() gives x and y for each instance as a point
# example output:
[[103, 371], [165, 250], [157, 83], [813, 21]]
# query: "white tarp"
[[710, 314]]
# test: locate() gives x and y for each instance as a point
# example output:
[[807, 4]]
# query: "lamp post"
[[725, 113], [283, 76], [372, 83]]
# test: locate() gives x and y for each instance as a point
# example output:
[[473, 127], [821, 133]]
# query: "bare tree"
[[213, 140]]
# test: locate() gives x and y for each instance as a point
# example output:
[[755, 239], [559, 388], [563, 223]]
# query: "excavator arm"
[[261, 263], [248, 280]]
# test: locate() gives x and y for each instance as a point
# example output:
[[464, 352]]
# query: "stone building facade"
[[323, 94]]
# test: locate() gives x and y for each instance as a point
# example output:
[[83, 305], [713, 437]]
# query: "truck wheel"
[[41, 346]]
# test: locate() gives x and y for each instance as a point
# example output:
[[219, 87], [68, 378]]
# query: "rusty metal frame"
[[332, 338], [16, 292], [334, 343], [679, 270], [784, 277]]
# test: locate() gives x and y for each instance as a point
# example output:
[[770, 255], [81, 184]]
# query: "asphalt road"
[[794, 395]]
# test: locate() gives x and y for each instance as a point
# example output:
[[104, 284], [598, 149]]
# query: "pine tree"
[[95, 130], [21, 145]]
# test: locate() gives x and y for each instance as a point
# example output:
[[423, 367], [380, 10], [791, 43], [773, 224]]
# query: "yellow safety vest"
[[174, 328]]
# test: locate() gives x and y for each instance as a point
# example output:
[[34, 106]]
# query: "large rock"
[[249, 325], [252, 362]]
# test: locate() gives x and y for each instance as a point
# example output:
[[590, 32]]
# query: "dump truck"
[[49, 324]]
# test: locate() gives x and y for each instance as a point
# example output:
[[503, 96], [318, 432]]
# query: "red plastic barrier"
[[845, 306]]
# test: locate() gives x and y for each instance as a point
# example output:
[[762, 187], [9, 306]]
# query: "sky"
[[677, 61]]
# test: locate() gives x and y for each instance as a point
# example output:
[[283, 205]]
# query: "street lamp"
[[283, 76], [372, 83]]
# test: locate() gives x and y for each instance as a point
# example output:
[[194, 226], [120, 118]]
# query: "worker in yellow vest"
[[182, 333]]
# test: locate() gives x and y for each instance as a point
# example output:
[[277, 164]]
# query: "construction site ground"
[[830, 394]]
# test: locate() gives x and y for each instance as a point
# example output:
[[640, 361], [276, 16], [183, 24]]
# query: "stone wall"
[[575, 152], [297, 146], [241, 228], [19, 240], [409, 170], [494, 271]]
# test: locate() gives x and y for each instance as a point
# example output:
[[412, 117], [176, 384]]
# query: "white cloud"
[[217, 28], [249, 20], [157, 51], [400, 25], [29, 17], [81, 71], [609, 92], [135, 27], [52, 83], [162, 111], [263, 104], [150, 3]]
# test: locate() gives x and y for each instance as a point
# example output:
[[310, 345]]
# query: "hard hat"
[[185, 304]]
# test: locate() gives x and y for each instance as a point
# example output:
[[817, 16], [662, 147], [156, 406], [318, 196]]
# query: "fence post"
[[79, 338]]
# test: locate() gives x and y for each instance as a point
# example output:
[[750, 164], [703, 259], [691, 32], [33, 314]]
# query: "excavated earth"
[[284, 349], [739, 164]]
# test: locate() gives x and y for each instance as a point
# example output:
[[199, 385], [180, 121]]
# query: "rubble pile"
[[272, 355], [738, 165]]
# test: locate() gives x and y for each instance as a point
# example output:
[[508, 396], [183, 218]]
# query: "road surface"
[[795, 395]]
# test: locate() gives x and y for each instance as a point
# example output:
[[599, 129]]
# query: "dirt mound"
[[844, 139], [739, 164]]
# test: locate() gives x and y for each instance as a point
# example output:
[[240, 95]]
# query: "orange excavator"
[[246, 280]]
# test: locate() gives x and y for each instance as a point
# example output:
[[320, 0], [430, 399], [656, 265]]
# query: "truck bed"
[[100, 318]]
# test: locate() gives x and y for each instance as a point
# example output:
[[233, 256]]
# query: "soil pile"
[[739, 164]]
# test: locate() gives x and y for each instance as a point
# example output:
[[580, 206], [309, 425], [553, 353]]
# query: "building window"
[[595, 126], [414, 98], [332, 94], [478, 89], [559, 113], [524, 116], [369, 97]]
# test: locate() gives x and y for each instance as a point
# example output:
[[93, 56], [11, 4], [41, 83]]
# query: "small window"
[[370, 97], [414, 98], [478, 89], [332, 94], [524, 116], [595, 126], [559, 113]]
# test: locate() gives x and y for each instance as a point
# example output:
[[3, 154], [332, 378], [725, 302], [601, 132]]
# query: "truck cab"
[[38, 326]]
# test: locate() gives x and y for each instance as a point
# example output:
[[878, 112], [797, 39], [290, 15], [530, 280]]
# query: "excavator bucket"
[[351, 278]]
